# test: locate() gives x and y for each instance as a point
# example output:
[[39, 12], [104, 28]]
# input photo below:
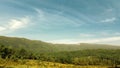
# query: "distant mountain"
[[39, 46]]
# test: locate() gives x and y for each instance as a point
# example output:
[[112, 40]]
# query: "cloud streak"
[[55, 18], [109, 20]]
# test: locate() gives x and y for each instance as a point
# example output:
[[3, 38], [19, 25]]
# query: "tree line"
[[81, 57]]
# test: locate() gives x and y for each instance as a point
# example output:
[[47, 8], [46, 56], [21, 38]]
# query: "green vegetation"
[[20, 50], [43, 47], [102, 57], [40, 64]]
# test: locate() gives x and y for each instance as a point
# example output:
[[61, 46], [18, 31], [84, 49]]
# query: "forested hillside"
[[40, 46]]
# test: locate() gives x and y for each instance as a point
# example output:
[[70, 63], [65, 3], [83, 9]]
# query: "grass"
[[39, 64]]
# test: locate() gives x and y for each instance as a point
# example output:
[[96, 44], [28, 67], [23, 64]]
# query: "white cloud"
[[103, 40], [102, 37], [63, 41], [108, 34], [86, 35], [107, 40], [2, 28], [14, 24], [109, 20]]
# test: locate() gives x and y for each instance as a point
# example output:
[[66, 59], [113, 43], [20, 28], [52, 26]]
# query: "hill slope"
[[39, 46]]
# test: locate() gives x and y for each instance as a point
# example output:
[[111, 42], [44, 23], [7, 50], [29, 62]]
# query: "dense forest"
[[91, 55], [81, 57]]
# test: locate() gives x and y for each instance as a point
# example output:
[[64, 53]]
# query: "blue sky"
[[62, 21]]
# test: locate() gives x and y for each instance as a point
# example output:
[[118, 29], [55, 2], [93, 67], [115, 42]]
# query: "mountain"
[[40, 46]]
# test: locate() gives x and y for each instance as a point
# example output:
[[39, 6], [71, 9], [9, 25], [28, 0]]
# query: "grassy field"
[[39, 64]]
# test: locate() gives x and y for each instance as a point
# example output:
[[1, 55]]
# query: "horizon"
[[62, 21], [60, 42]]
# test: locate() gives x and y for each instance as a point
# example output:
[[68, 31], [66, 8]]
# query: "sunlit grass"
[[39, 64]]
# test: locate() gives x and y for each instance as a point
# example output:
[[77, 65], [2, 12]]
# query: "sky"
[[62, 21]]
